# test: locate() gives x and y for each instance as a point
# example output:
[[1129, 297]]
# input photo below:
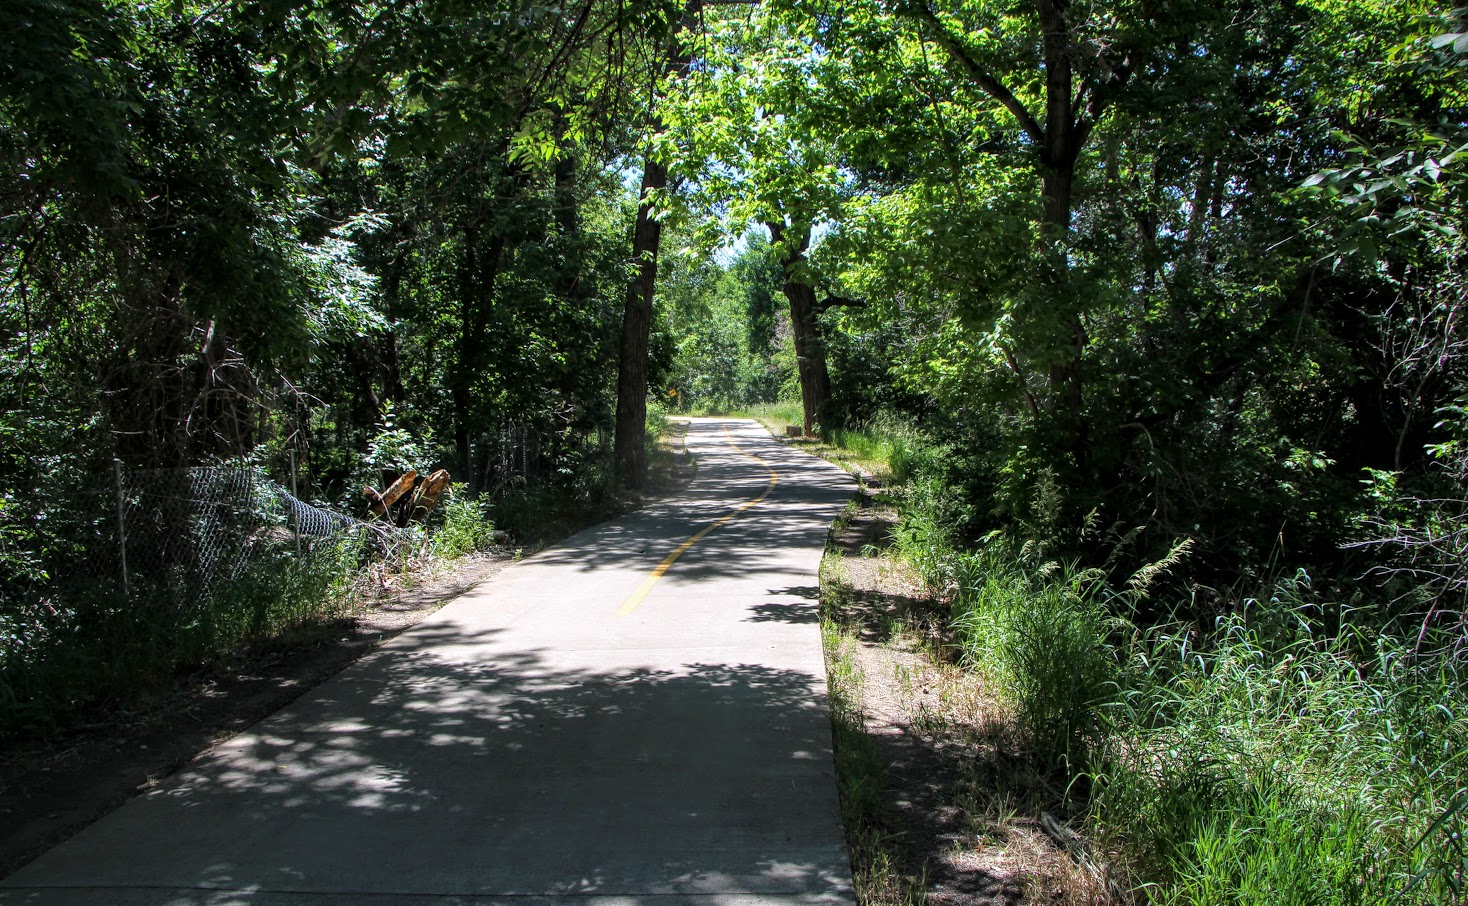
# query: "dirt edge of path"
[[957, 821], [53, 787]]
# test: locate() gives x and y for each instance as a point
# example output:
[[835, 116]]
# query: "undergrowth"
[[95, 646], [1041, 638], [1254, 761], [99, 647], [466, 528], [1286, 769]]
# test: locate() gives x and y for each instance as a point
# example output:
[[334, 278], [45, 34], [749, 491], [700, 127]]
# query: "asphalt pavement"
[[637, 715]]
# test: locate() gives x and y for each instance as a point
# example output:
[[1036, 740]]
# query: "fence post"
[[121, 524], [295, 514]]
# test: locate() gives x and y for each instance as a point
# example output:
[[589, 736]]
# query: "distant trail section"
[[636, 597], [536, 737]]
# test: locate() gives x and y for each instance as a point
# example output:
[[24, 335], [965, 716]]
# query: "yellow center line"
[[634, 599]]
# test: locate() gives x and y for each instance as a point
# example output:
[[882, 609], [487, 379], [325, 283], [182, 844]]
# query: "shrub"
[[1040, 632], [466, 526]]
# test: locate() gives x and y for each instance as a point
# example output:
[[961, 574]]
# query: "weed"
[[1280, 770], [103, 647], [1039, 633], [466, 526]]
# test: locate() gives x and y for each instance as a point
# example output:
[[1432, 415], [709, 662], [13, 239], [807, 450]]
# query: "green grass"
[[1039, 635], [885, 447], [466, 526], [1262, 770], [774, 416], [1251, 762], [1257, 764]]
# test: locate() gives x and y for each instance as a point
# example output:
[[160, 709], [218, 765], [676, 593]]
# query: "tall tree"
[[1056, 70], [631, 440], [749, 141], [810, 349]]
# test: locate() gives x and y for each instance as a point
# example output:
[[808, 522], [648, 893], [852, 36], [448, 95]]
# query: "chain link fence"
[[112, 577], [194, 528], [512, 457]]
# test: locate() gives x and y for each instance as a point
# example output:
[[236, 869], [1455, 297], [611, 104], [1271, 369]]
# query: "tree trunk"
[[476, 299], [1058, 187], [1066, 378], [810, 349], [630, 448], [810, 353], [1064, 134]]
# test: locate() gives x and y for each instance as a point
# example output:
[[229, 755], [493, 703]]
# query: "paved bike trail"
[[603, 723]]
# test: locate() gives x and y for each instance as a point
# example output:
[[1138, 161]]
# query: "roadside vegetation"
[[1255, 759], [91, 654]]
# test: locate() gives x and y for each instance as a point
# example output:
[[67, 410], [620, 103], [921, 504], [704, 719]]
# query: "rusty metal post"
[[295, 512], [121, 524]]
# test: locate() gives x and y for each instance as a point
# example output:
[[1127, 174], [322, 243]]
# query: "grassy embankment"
[[1254, 761]]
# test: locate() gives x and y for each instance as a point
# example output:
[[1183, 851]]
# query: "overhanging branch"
[[981, 76]]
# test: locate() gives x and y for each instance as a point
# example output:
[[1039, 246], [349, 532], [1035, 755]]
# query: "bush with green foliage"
[[465, 527]]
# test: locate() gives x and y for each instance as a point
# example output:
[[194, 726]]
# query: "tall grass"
[[1256, 761], [886, 440], [1276, 770], [655, 425], [1256, 764], [466, 525], [1040, 635], [774, 416]]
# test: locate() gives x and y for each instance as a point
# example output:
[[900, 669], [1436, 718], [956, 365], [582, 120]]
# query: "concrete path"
[[567, 731]]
